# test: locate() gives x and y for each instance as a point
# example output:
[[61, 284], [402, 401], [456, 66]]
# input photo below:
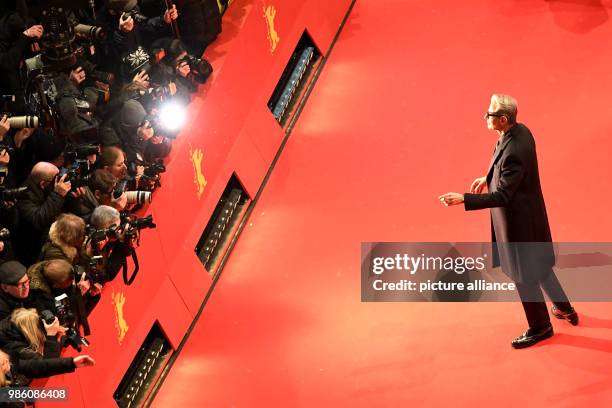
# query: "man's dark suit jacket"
[[518, 212]]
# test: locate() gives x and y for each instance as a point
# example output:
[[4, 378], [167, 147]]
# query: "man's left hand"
[[451, 199], [171, 14]]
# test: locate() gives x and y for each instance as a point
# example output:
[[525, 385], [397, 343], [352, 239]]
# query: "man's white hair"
[[103, 216], [507, 105]]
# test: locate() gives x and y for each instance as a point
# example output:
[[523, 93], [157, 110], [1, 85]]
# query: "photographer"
[[30, 146], [131, 130], [14, 288], [76, 105], [100, 190], [66, 238], [11, 373], [184, 69], [26, 338], [56, 277], [112, 159], [130, 33], [113, 245], [15, 39], [43, 203], [8, 217]]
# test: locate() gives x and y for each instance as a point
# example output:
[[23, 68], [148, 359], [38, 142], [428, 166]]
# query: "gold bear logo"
[[196, 159], [120, 323], [270, 15]]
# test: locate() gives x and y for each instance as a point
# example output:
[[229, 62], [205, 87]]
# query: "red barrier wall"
[[230, 130]]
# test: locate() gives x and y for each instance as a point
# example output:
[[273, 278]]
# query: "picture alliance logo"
[[412, 264]]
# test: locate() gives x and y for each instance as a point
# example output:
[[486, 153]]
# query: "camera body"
[[96, 236], [10, 150], [135, 225], [136, 16], [74, 152], [20, 122], [200, 69], [77, 173], [66, 318], [151, 179], [93, 272]]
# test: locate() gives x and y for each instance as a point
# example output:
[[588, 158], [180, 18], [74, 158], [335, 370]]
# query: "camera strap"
[[125, 269], [81, 313]]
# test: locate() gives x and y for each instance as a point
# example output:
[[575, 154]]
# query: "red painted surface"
[[394, 121], [236, 133]]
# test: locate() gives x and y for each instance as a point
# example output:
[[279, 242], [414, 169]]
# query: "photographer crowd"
[[85, 88]]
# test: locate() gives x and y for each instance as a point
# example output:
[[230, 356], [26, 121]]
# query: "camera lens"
[[138, 197], [20, 122]]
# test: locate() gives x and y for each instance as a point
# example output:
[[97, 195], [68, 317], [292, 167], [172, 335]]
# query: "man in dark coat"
[[519, 223], [45, 198], [16, 36], [15, 289]]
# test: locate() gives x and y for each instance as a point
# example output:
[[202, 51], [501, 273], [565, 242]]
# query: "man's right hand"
[[54, 328], [478, 185], [34, 31], [77, 76], [84, 285], [126, 23], [4, 158], [141, 78], [183, 69], [5, 125], [120, 202], [62, 187]]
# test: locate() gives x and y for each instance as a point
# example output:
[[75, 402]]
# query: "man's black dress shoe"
[[531, 337], [571, 315]]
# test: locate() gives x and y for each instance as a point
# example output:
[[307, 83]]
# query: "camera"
[[74, 152], [200, 69], [96, 236], [74, 339], [151, 179], [102, 76], [66, 319], [136, 224], [138, 197], [142, 223], [13, 194], [77, 173], [10, 150], [93, 272], [57, 42], [20, 122], [155, 168], [136, 16], [88, 32]]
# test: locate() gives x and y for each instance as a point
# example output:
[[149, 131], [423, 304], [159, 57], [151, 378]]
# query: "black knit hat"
[[132, 114], [11, 272]]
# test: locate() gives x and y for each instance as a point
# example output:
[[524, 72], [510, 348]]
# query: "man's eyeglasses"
[[145, 124], [493, 114], [23, 285]]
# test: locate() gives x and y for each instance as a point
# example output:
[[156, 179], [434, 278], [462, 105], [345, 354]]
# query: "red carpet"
[[395, 120]]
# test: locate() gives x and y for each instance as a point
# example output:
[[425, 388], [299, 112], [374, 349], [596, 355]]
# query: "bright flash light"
[[172, 116]]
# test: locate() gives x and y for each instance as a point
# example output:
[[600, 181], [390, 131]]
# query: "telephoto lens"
[[90, 32], [20, 122], [138, 197], [12, 194]]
